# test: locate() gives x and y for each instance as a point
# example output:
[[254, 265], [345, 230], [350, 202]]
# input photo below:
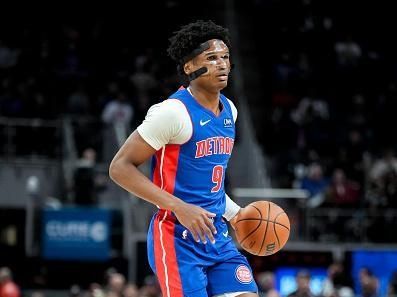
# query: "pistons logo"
[[243, 274]]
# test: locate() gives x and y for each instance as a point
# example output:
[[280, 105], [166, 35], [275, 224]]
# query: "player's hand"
[[235, 219], [197, 220]]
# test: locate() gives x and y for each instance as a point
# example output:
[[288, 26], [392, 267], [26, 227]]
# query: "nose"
[[221, 64]]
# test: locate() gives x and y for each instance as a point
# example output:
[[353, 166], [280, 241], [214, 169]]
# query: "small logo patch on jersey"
[[243, 274], [227, 123], [202, 123], [184, 234], [226, 233]]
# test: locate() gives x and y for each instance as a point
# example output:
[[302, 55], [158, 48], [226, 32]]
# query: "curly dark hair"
[[190, 36]]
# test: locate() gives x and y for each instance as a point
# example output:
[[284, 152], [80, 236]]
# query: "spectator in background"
[[87, 182], [369, 283], [312, 116], [348, 51], [392, 288], [117, 115], [116, 284], [316, 184], [342, 192], [329, 287], [131, 290], [75, 291], [266, 284], [388, 162], [95, 290], [8, 288], [151, 287], [118, 111], [383, 180], [309, 108], [336, 283], [303, 285]]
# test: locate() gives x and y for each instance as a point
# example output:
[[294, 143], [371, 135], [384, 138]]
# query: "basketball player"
[[190, 136]]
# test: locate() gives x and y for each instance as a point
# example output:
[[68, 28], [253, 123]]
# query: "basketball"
[[262, 228]]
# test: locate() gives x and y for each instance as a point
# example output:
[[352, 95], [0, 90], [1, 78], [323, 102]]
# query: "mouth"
[[223, 76]]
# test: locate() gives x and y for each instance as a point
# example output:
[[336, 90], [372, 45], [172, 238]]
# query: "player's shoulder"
[[170, 105], [169, 111], [233, 108], [181, 94], [224, 98], [232, 105]]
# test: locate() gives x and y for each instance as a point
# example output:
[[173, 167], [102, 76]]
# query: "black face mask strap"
[[201, 71], [197, 73], [203, 47]]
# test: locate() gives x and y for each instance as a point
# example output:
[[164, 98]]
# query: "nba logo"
[[227, 123]]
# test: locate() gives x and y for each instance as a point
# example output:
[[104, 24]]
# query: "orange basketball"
[[262, 228]]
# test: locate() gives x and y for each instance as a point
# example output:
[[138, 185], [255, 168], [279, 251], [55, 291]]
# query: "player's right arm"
[[124, 171]]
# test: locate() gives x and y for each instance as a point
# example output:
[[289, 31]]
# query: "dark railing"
[[363, 225], [326, 225]]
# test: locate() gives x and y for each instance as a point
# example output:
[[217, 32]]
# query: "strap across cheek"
[[197, 73]]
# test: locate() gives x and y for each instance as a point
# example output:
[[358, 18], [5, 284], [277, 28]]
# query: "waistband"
[[172, 217]]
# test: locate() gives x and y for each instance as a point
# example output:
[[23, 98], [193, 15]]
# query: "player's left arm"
[[232, 208]]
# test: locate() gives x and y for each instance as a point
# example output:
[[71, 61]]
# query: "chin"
[[217, 85], [223, 84]]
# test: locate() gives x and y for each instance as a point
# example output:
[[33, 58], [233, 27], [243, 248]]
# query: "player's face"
[[217, 61]]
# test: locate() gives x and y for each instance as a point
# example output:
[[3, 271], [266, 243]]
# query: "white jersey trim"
[[234, 110], [161, 167], [164, 255]]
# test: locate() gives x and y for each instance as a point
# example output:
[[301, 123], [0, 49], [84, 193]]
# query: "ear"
[[187, 68]]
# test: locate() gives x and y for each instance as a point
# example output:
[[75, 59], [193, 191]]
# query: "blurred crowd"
[[327, 106], [81, 70], [117, 286], [114, 285], [338, 283]]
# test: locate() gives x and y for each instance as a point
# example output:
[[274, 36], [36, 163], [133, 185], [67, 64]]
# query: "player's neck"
[[209, 100]]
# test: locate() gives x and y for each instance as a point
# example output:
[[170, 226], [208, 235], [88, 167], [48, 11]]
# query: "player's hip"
[[167, 235]]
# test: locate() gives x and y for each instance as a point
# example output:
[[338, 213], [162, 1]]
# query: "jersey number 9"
[[217, 176]]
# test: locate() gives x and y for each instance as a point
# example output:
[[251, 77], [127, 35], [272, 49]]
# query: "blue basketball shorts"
[[185, 267]]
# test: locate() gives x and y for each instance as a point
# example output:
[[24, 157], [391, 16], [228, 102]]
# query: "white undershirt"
[[169, 122]]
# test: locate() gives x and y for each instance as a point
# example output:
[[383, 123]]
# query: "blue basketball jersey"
[[195, 171]]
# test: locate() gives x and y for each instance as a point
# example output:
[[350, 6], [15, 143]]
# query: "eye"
[[225, 57], [211, 58]]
